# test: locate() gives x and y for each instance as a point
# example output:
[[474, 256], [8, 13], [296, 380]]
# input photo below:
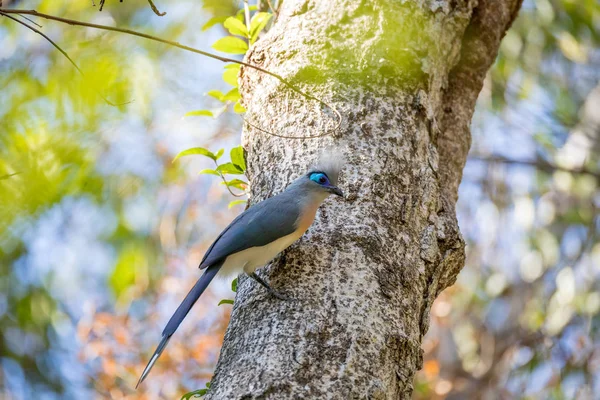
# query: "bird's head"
[[322, 178], [320, 181]]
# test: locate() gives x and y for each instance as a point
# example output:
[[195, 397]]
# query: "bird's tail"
[[180, 314]]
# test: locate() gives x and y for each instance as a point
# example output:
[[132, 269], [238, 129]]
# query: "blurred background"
[[100, 232]]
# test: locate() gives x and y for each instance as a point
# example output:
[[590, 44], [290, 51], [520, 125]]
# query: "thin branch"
[[8, 175], [45, 37], [153, 7], [283, 136], [187, 48], [30, 20], [272, 9], [64, 53], [539, 164], [279, 3], [226, 185]]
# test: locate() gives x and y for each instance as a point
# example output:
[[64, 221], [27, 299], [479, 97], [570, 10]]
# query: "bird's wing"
[[259, 225]]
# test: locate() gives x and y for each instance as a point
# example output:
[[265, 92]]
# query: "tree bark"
[[405, 75]]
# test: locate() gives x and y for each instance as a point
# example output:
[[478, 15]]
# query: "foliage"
[[98, 224], [80, 186], [196, 393]]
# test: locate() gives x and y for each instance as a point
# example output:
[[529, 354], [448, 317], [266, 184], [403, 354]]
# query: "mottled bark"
[[405, 76]]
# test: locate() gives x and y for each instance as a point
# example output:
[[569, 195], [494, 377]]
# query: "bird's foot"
[[271, 291], [279, 295]]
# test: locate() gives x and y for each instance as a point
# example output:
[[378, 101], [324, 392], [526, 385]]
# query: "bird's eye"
[[319, 178]]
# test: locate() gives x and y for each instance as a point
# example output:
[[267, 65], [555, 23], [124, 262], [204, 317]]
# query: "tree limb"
[[539, 164]]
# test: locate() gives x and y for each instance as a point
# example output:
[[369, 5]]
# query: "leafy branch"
[[237, 166], [5, 12]]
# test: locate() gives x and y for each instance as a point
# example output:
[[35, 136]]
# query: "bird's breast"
[[307, 216], [249, 259]]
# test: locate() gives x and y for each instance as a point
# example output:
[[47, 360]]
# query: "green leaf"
[[219, 153], [195, 393], [199, 113], [235, 203], [229, 168], [217, 94], [130, 260], [195, 150], [225, 301], [237, 157], [230, 75], [236, 183], [238, 108], [231, 45], [209, 172], [236, 27], [214, 21], [258, 23], [233, 95], [234, 281]]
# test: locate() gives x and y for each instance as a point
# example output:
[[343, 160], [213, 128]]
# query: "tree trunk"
[[405, 76]]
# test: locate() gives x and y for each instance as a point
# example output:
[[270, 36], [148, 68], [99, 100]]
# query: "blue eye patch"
[[320, 178]]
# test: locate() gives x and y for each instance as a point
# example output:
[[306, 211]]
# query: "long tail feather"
[[181, 312]]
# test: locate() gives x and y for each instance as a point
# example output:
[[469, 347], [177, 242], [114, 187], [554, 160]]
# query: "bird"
[[257, 236]]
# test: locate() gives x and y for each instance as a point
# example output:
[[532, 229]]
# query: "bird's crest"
[[330, 162]]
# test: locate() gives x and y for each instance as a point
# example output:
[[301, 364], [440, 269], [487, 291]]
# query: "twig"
[[283, 136], [272, 9], [62, 51], [153, 7], [8, 175], [187, 48], [226, 185], [30, 20], [279, 3], [539, 164]]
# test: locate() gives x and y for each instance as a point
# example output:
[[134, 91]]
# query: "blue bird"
[[256, 236]]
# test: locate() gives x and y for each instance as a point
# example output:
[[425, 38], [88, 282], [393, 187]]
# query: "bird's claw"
[[272, 291], [279, 295]]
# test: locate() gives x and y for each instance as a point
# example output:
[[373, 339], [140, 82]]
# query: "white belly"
[[254, 257]]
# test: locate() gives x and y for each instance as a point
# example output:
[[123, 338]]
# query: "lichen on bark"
[[366, 273]]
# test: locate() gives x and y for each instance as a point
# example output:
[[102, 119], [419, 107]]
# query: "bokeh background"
[[100, 232]]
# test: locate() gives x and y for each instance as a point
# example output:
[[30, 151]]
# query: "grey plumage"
[[259, 225], [256, 236]]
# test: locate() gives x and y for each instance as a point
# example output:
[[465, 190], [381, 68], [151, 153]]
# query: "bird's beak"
[[336, 190]]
